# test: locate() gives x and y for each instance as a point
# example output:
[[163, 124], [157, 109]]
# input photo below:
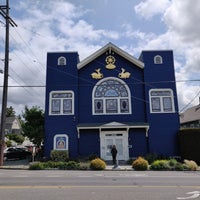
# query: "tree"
[[18, 138], [10, 112], [33, 124]]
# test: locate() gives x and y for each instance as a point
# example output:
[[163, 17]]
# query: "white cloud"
[[62, 26], [182, 36], [183, 18], [149, 8]]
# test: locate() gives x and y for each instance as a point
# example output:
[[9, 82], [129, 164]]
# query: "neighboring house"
[[111, 98], [191, 117], [12, 125]]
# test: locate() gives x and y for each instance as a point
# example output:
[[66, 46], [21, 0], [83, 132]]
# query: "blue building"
[[111, 98]]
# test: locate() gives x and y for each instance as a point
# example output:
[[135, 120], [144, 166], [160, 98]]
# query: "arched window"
[[61, 60], [111, 96], [158, 59]]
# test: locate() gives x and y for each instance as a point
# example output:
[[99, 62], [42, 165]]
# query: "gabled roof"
[[190, 115], [111, 47]]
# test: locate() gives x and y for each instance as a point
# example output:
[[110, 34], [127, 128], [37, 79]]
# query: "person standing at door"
[[114, 154]]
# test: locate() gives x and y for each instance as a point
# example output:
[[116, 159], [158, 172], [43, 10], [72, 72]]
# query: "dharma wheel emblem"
[[110, 60]]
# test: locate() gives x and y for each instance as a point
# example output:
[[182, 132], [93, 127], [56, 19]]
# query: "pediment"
[[111, 47]]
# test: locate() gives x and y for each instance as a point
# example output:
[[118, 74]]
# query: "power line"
[[4, 11]]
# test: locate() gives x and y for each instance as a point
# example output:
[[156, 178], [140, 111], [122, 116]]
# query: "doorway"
[[118, 138]]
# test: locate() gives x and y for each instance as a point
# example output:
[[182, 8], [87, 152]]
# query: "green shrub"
[[160, 165], [97, 164], [151, 157], [140, 164], [71, 165], [179, 166], [172, 162], [51, 164], [36, 166], [59, 156], [190, 165]]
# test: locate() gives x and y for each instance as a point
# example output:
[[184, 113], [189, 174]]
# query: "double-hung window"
[[61, 103], [161, 101]]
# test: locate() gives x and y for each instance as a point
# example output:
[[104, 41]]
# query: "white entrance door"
[[120, 139]]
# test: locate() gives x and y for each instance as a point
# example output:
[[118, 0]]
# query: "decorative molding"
[[110, 60]]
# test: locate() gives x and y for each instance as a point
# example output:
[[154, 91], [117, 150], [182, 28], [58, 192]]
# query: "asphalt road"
[[98, 185]]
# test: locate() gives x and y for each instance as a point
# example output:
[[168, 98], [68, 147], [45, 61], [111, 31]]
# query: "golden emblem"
[[110, 60], [124, 74], [97, 74]]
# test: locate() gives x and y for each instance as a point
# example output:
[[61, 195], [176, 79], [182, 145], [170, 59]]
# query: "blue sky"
[[87, 25]]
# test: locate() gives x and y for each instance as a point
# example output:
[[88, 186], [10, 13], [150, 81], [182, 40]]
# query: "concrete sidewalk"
[[119, 167]]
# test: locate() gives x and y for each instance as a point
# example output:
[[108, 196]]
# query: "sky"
[[87, 25]]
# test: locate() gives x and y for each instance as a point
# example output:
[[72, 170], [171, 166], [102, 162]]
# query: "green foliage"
[[70, 165], [160, 165], [140, 164], [33, 124], [59, 156], [18, 138], [50, 164], [97, 164], [171, 164], [10, 112], [190, 165], [151, 157], [8, 143], [36, 166]]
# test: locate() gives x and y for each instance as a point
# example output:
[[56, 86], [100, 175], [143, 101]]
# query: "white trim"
[[59, 61], [114, 48], [61, 109], [117, 98], [161, 98], [112, 125], [113, 135], [160, 58], [66, 141]]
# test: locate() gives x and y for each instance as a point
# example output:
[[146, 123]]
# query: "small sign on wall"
[[61, 142]]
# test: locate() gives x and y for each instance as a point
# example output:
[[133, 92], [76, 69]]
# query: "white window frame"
[[61, 137], [158, 59], [61, 103], [105, 100], [61, 60], [160, 99]]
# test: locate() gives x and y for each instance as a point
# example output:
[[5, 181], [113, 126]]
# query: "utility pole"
[[4, 11]]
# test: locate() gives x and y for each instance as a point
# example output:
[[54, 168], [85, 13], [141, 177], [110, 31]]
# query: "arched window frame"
[[118, 100], [158, 59], [62, 60], [61, 138]]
